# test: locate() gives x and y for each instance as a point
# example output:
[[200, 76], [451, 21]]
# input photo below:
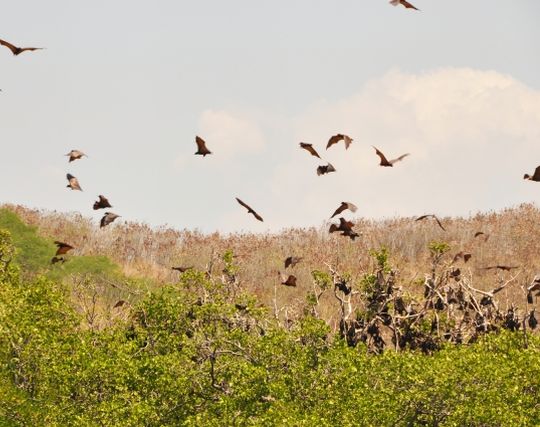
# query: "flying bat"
[[344, 206], [337, 138], [73, 182], [102, 203], [251, 211], [420, 218], [288, 280], [201, 147], [63, 248], [404, 3], [346, 228], [322, 170], [75, 155], [310, 149], [107, 219], [17, 50], [535, 176], [466, 256], [385, 161], [292, 261]]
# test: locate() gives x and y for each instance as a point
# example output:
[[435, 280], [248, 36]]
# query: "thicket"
[[202, 353]]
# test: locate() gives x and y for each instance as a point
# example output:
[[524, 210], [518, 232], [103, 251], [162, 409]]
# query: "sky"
[[131, 83]]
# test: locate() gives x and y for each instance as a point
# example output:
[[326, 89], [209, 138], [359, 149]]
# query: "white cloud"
[[471, 134]]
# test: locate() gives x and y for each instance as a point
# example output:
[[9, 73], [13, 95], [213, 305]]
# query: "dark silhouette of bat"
[[339, 137], [102, 203], [500, 267], [535, 176], [107, 219], [310, 149], [466, 256], [385, 161], [201, 147], [63, 248], [182, 269], [420, 218], [251, 211], [120, 303], [404, 3], [73, 182], [287, 280], [56, 259], [346, 228], [75, 155], [533, 323], [18, 50], [292, 261], [321, 170], [344, 206]]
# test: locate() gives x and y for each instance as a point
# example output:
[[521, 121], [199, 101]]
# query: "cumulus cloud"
[[230, 133], [471, 134]]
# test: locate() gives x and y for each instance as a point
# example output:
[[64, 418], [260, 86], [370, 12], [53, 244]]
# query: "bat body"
[[292, 261], [322, 170], [75, 155], [18, 50], [201, 147], [310, 149], [344, 206], [337, 138], [73, 182], [420, 218], [404, 3], [63, 248], [102, 203], [388, 163], [535, 176], [251, 211], [108, 218]]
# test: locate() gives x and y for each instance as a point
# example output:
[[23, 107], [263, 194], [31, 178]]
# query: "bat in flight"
[[287, 280], [310, 149], [405, 3], [337, 138], [251, 211], [344, 206], [102, 203], [201, 147], [385, 161], [292, 261], [420, 218], [322, 170], [535, 176], [73, 182], [63, 248], [107, 219], [18, 50], [75, 155]]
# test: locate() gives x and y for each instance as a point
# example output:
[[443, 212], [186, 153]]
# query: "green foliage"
[[438, 249], [322, 279], [194, 354], [33, 252], [381, 257]]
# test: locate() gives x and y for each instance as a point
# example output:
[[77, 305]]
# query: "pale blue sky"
[[132, 82]]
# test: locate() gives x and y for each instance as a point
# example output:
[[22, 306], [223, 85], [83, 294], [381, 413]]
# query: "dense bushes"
[[201, 353]]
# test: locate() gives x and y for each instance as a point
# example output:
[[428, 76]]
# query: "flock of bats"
[[344, 227]]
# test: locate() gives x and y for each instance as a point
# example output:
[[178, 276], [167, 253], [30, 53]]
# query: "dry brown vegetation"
[[151, 252]]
